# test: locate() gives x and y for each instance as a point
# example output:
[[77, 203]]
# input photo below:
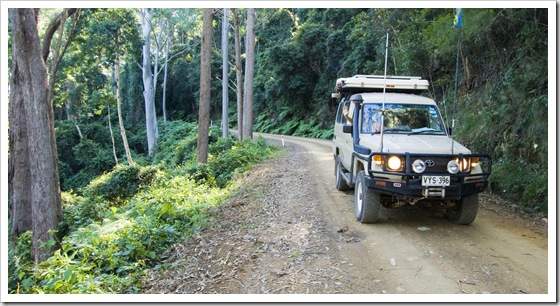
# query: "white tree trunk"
[[165, 75], [249, 71], [225, 80], [148, 80]]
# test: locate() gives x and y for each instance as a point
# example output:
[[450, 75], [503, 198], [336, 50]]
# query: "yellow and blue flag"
[[458, 17]]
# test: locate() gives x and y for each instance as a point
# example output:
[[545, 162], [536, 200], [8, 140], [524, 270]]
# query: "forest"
[[114, 152]]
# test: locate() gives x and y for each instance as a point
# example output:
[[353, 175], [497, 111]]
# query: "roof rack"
[[376, 83]]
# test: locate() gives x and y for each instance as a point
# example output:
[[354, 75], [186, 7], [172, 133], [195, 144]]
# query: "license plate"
[[435, 180]]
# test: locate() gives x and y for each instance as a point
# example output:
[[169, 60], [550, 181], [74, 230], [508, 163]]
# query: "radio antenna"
[[384, 87], [458, 13]]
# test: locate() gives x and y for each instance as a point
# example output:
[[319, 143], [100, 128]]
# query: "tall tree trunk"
[[30, 74], [249, 71], [165, 76], [121, 121], [205, 79], [225, 80], [148, 80], [112, 135], [239, 73], [70, 116], [119, 102], [19, 174]]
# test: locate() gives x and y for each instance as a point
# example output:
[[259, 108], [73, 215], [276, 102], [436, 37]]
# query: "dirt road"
[[289, 231]]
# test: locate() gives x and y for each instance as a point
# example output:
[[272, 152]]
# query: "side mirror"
[[347, 128]]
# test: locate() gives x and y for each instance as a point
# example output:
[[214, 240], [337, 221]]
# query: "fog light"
[[418, 166], [453, 167]]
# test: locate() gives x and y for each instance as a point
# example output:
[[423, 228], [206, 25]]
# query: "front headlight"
[[453, 167], [418, 166], [394, 163]]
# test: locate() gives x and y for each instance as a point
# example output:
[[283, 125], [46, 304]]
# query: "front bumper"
[[407, 185]]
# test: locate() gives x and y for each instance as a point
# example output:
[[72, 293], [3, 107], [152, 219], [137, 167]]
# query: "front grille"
[[439, 164]]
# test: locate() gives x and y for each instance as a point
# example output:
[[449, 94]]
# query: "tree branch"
[[53, 26]]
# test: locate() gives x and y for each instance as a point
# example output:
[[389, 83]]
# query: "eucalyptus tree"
[[155, 55], [205, 78], [249, 75], [34, 191], [238, 71], [148, 78], [225, 70]]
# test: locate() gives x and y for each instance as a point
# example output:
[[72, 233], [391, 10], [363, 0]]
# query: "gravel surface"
[[288, 231]]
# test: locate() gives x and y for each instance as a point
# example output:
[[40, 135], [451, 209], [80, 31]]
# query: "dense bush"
[[234, 157], [523, 182], [121, 183], [124, 219]]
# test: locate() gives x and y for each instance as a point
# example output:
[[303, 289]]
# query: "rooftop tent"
[[376, 83]]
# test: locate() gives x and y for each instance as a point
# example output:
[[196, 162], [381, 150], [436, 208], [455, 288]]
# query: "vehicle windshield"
[[402, 119]]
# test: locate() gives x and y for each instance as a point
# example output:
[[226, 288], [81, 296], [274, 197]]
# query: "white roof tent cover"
[[375, 83]]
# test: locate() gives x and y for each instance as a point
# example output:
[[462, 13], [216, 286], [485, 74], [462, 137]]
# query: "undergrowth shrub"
[[237, 158], [525, 183], [201, 173], [20, 264], [81, 211], [178, 140], [286, 124], [108, 256], [121, 183], [125, 219]]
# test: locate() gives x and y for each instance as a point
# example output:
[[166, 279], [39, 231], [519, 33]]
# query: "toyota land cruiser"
[[391, 145]]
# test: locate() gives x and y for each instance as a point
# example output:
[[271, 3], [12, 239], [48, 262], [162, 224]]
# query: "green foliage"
[[79, 212], [121, 183], [82, 159], [177, 143], [20, 264], [230, 158], [523, 182], [126, 218]]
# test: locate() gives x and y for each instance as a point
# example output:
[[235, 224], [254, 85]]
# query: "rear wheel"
[[367, 203], [339, 181], [465, 211]]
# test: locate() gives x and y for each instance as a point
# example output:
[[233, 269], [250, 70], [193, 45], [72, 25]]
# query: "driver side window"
[[340, 115]]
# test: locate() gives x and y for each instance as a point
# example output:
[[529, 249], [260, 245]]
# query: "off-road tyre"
[[465, 211], [367, 202]]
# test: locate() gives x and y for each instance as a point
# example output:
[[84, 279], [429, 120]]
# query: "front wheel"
[[367, 202], [465, 211]]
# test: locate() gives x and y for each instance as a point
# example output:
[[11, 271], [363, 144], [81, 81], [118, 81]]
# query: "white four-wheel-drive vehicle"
[[391, 145]]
